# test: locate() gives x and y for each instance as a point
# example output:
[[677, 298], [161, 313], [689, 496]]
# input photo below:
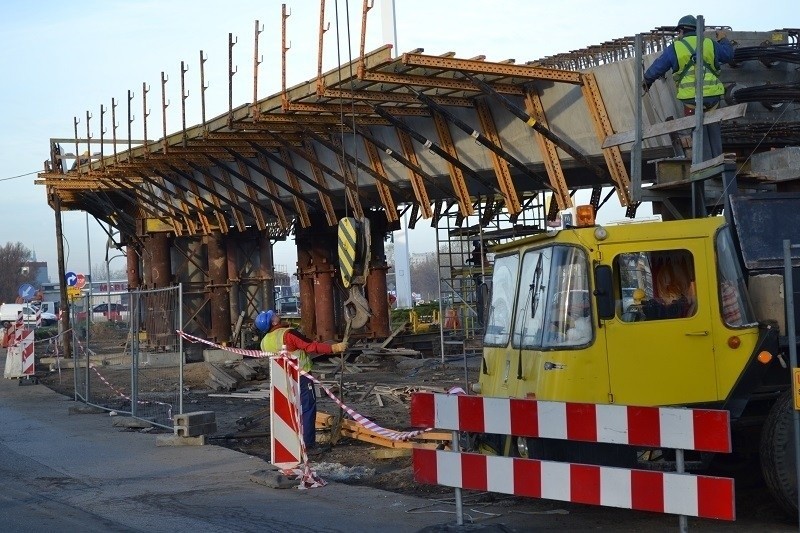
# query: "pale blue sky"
[[60, 59]]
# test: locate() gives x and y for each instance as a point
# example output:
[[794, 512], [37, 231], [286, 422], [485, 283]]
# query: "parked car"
[[8, 315], [100, 313]]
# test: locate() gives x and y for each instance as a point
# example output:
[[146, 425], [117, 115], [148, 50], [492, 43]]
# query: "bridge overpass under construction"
[[488, 150]]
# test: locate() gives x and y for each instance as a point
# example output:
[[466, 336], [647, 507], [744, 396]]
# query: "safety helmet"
[[264, 320], [687, 22]]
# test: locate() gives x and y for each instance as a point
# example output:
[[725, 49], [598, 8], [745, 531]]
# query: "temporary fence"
[[128, 356], [645, 427]]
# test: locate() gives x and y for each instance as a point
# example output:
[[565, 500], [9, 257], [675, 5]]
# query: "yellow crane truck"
[[664, 313]]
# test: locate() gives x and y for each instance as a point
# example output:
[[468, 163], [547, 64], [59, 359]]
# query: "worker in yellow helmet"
[[680, 58]]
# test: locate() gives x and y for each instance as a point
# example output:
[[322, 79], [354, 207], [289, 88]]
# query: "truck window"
[[553, 308], [655, 285], [736, 308], [504, 284]]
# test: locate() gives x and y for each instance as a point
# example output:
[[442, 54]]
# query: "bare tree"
[[425, 277], [13, 257], [99, 273]]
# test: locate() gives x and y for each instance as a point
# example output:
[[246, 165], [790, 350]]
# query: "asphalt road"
[[62, 472]]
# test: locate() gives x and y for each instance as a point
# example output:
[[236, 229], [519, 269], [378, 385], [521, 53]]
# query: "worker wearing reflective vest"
[[277, 338], [680, 58]]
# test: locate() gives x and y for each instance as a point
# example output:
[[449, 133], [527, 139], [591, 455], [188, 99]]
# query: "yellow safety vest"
[[685, 76], [273, 343]]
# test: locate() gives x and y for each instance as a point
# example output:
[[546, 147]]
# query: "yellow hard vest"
[[273, 343], [685, 76]]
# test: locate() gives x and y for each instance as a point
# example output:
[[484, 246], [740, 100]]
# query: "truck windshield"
[[553, 308], [550, 301], [504, 285]]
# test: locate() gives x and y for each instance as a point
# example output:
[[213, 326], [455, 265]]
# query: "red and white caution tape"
[[359, 419]]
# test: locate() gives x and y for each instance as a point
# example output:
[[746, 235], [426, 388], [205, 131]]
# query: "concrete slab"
[[161, 359], [175, 440], [274, 479], [220, 356]]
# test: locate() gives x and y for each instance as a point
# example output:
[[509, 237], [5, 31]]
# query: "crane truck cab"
[[646, 314]]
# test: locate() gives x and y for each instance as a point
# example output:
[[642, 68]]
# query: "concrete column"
[[219, 299], [160, 264], [377, 293], [232, 272], [133, 268], [323, 292], [305, 275]]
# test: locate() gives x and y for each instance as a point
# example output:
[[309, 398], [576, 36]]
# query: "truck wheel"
[[778, 454]]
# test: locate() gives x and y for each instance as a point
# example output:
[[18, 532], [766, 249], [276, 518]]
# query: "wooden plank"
[[394, 334], [670, 126]]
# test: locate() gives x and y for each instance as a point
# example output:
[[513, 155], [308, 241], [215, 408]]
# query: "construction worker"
[[680, 58], [279, 336]]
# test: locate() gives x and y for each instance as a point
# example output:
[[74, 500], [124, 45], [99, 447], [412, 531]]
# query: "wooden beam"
[[670, 126]]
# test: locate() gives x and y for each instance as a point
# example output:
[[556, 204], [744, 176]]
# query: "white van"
[[8, 315]]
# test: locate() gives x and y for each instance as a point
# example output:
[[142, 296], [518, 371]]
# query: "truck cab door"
[[659, 343]]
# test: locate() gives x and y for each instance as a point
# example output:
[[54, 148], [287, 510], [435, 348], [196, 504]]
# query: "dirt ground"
[[378, 386]]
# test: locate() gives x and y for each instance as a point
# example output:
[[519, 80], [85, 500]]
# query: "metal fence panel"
[[157, 355], [128, 356]]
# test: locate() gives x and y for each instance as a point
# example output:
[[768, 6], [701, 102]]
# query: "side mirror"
[[604, 291]]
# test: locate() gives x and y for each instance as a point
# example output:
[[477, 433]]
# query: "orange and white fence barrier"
[[652, 427]]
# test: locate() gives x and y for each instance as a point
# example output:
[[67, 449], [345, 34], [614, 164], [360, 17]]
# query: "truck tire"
[[778, 454]]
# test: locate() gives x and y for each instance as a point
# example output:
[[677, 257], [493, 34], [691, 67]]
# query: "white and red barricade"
[[651, 427], [284, 402], [18, 328], [20, 355], [26, 348]]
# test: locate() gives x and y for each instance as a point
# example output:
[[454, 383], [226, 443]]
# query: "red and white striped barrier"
[[18, 328], [285, 445], [705, 430], [653, 427], [26, 347], [642, 490], [39, 316]]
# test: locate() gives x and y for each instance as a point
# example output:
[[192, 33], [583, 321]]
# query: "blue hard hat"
[[264, 320]]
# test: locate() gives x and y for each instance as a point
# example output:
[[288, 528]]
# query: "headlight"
[[522, 447]]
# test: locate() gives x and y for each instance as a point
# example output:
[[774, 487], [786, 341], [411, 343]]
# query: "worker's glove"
[[339, 347], [646, 86], [721, 34]]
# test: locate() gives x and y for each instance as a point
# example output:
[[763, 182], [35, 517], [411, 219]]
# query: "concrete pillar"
[[158, 274], [160, 264], [305, 275], [133, 268], [232, 272], [377, 293], [323, 292], [218, 281]]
